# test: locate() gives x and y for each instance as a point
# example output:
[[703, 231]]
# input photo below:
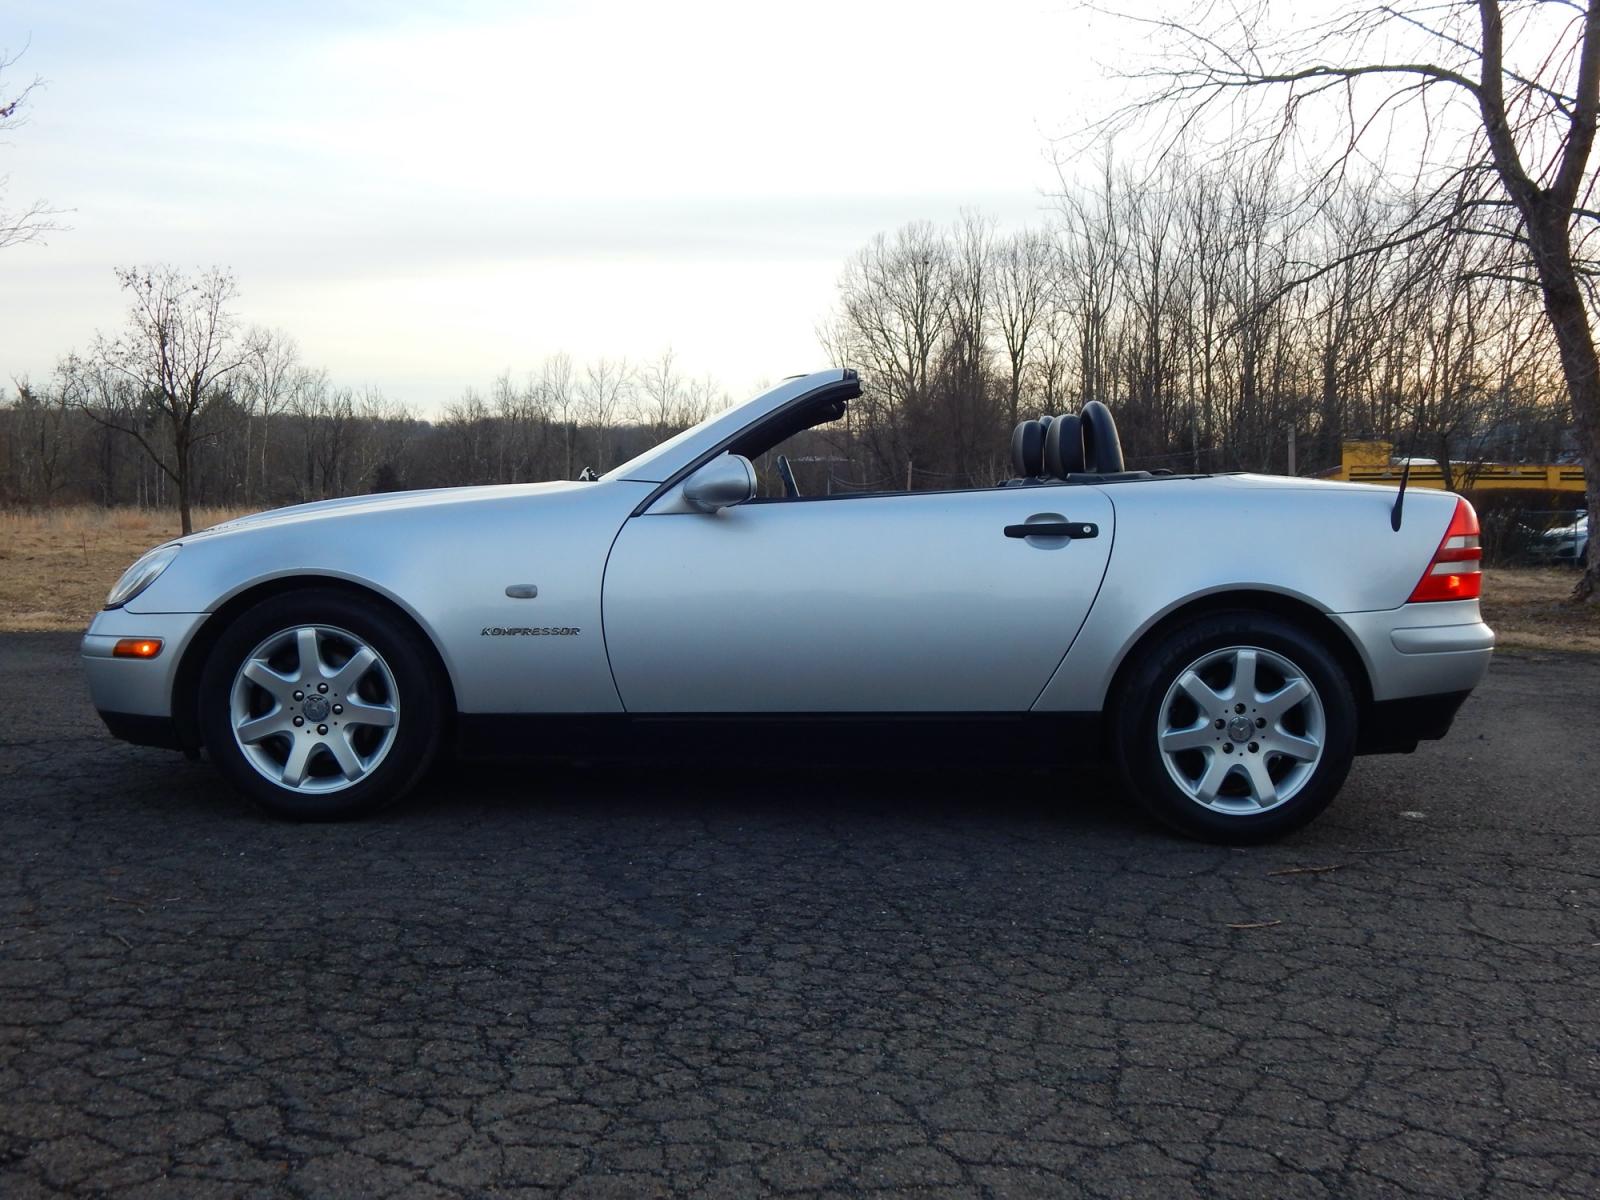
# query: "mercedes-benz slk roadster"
[[1227, 642]]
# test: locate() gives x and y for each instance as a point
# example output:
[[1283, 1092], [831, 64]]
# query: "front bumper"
[[134, 696], [141, 730]]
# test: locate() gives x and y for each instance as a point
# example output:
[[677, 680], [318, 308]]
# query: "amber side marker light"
[[136, 648]]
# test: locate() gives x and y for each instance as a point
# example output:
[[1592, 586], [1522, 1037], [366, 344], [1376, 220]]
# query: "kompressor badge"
[[526, 631]]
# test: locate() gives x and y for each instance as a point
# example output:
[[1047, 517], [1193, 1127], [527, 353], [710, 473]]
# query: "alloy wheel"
[[314, 708], [1241, 730]]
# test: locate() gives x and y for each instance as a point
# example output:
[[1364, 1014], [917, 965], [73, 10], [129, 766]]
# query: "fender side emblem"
[[524, 631]]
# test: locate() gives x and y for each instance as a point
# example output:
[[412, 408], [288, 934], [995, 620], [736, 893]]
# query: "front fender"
[[448, 567]]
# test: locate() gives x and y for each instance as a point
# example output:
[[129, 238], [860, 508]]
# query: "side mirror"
[[726, 480]]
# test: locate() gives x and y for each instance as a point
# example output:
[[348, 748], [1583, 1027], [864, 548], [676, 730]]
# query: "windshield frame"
[[665, 459]]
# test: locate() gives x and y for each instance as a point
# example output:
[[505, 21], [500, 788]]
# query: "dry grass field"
[[1528, 609], [56, 567]]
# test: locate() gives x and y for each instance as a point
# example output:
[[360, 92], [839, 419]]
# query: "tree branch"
[[1580, 141]]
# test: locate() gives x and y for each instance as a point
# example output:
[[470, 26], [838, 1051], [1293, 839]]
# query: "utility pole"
[[1291, 447]]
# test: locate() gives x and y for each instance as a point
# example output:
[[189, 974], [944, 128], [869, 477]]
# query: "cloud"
[[431, 192]]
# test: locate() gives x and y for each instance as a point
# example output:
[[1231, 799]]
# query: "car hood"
[[383, 502]]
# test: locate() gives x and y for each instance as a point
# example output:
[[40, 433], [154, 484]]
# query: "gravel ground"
[[957, 983]]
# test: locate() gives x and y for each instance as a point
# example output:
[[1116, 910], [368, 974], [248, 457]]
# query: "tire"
[[1298, 727], [356, 727]]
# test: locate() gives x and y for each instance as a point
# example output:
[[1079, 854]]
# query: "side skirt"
[[808, 739]]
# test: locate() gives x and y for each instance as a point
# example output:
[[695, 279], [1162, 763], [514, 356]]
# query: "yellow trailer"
[[1372, 462]]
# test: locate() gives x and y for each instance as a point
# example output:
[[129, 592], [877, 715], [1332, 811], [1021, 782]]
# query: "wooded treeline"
[[279, 431], [1184, 299], [1187, 300]]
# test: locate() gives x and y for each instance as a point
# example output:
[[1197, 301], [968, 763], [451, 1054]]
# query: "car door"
[[907, 602]]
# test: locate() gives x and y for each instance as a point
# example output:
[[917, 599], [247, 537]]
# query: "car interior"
[[1081, 447]]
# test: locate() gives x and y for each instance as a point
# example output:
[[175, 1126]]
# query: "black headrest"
[[1027, 449], [1102, 448], [1063, 447]]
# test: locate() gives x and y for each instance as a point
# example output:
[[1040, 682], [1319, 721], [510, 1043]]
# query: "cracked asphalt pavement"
[[953, 983]]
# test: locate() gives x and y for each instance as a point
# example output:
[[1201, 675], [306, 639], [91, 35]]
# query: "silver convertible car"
[[1227, 642]]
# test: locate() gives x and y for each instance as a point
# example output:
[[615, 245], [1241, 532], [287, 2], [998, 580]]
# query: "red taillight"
[[1454, 573]]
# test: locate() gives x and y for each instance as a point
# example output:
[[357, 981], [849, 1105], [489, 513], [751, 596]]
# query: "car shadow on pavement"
[[1084, 802], [1080, 801]]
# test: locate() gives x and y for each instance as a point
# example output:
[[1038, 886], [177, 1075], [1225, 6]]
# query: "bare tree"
[[1052, 357], [660, 395], [110, 395], [384, 428], [891, 324], [330, 429], [561, 397], [1154, 278], [41, 428], [962, 413], [336, 442], [523, 424], [701, 398], [606, 387], [178, 350], [1499, 100], [31, 221], [1091, 278], [268, 374], [1022, 285], [470, 438]]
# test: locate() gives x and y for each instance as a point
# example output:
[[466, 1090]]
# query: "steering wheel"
[[786, 473]]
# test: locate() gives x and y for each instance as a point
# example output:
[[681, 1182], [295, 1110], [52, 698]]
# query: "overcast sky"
[[425, 195]]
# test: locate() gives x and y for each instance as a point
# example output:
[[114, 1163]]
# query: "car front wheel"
[[1236, 728], [320, 706]]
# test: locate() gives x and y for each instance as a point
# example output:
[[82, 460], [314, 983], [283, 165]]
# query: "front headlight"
[[141, 575]]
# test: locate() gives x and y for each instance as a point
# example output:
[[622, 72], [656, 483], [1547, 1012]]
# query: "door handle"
[[1060, 529]]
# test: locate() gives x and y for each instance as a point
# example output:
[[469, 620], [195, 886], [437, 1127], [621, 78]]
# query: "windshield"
[[656, 463], [677, 439]]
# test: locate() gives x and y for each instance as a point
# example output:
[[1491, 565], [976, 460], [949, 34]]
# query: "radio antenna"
[[1398, 510]]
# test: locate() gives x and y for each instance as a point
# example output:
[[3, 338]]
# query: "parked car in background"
[[1565, 545]]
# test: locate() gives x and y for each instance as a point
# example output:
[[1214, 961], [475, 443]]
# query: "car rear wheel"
[[1236, 727], [320, 706]]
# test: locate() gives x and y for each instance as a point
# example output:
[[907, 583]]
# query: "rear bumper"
[[1421, 650], [1396, 726], [1422, 660]]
